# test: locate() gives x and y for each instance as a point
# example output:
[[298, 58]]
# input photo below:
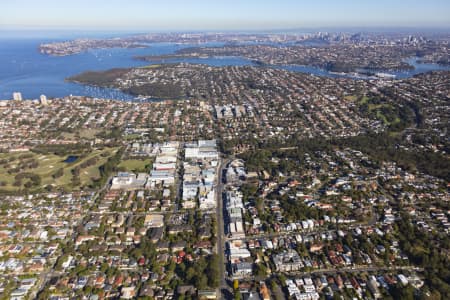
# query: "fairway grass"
[[49, 164]]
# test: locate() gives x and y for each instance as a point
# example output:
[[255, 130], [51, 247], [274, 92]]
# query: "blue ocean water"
[[24, 69]]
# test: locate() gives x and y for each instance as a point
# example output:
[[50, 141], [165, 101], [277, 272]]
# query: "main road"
[[220, 243]]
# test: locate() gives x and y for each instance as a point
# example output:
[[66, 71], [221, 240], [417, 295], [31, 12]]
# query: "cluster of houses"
[[31, 230], [313, 287], [124, 229], [287, 261], [304, 244], [285, 102], [123, 285], [23, 289], [25, 119], [441, 218]]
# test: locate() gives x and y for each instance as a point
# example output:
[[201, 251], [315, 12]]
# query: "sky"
[[221, 14]]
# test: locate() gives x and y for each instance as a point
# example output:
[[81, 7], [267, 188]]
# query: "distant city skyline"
[[221, 15]]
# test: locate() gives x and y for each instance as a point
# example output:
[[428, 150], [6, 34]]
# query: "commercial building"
[[17, 96]]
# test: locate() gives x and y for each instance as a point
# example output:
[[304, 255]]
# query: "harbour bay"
[[26, 70]]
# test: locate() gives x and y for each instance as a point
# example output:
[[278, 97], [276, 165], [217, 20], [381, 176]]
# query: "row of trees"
[[62, 150]]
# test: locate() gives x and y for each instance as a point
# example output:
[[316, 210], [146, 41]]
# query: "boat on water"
[[385, 75]]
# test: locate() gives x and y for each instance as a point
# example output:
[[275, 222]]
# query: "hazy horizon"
[[53, 33], [232, 15]]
